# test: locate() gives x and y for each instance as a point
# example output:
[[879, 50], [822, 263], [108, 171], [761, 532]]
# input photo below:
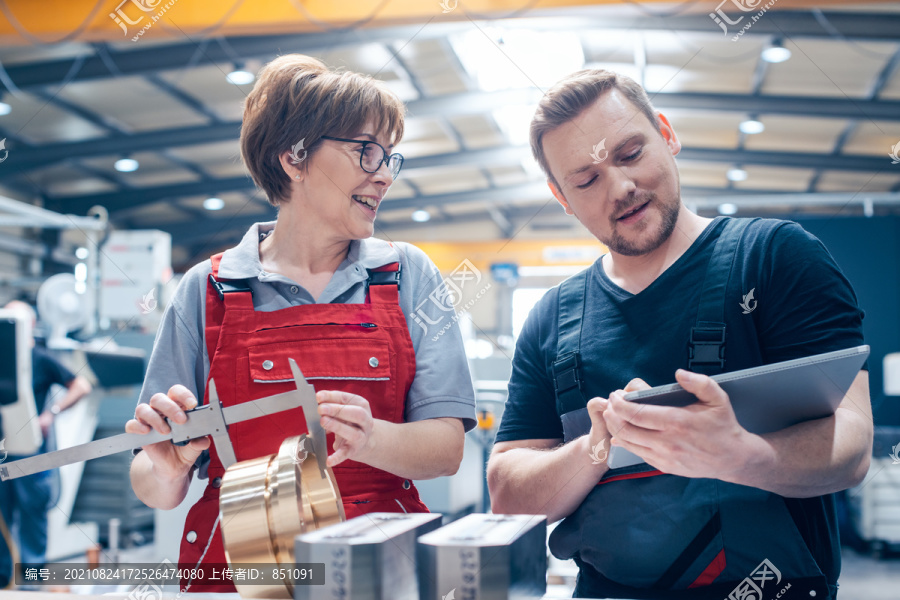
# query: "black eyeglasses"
[[370, 159]]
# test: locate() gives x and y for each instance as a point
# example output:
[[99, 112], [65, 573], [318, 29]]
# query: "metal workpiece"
[[485, 557], [266, 502], [371, 557]]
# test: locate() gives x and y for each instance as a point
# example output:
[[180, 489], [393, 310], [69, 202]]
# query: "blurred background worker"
[[24, 502]]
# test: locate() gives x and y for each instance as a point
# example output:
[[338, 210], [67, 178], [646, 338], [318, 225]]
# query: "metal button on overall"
[[268, 364], [373, 362], [191, 537]]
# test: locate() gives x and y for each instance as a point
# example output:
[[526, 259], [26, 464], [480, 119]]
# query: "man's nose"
[[621, 185]]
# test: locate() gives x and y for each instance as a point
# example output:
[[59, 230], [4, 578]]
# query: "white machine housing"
[[21, 432], [134, 265]]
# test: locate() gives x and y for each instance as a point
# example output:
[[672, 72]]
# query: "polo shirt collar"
[[242, 261]]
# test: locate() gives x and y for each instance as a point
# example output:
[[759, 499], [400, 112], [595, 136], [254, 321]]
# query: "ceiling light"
[[5, 108], [240, 77], [515, 122], [531, 167], [213, 204], [776, 54], [752, 126], [736, 175], [81, 253], [420, 216], [501, 59], [728, 209], [126, 165]]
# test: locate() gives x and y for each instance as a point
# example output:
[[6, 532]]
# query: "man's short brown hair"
[[575, 93], [296, 98]]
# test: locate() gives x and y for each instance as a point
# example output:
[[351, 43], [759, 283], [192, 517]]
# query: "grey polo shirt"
[[442, 386]]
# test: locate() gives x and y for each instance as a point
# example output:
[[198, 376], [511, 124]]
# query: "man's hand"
[[45, 420], [598, 438], [703, 439]]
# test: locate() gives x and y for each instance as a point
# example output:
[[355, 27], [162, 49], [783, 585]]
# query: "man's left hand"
[[45, 420], [703, 439]]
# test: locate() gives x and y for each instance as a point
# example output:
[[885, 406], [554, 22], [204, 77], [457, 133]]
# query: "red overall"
[[362, 349]]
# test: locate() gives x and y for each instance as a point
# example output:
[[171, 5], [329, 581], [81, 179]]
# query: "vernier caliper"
[[211, 419]]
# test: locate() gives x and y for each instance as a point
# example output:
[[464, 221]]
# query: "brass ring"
[[266, 502]]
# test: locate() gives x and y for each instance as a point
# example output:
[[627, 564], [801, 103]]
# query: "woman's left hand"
[[349, 418]]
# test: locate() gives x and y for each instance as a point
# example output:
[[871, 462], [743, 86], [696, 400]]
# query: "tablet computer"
[[770, 397]]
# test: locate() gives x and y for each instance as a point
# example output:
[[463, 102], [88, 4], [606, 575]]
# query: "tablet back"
[[770, 397]]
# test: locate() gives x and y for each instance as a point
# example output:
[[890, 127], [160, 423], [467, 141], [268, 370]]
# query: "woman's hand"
[[349, 418], [170, 462]]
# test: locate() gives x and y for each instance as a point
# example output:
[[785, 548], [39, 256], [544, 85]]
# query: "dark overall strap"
[[706, 350], [706, 354], [383, 284], [567, 368]]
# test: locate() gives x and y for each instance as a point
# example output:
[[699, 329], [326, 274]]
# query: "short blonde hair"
[[575, 93], [296, 98]]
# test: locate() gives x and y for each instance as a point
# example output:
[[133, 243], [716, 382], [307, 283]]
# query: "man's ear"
[[668, 133], [559, 197]]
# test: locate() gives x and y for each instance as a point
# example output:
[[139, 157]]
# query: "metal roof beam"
[[226, 231], [34, 157], [116, 201], [856, 26]]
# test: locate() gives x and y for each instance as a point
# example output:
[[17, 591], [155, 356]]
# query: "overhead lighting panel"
[[501, 59]]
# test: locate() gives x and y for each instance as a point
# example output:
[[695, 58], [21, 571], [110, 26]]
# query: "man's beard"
[[646, 245]]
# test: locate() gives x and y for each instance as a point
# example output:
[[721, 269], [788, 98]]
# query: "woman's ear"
[[292, 167]]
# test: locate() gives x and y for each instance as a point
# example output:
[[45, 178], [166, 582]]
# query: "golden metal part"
[[266, 502]]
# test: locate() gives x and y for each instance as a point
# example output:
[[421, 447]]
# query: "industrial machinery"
[[20, 432]]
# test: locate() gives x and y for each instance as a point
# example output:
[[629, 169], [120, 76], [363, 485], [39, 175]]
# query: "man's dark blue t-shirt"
[[45, 371], [803, 306]]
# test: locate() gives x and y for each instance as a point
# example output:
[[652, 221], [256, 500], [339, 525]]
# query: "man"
[[25, 501], [716, 512]]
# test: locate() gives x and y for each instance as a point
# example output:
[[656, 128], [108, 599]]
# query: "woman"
[[395, 403]]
